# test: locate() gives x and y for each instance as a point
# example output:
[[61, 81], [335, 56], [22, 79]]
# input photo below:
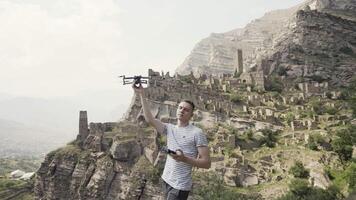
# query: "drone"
[[136, 80]]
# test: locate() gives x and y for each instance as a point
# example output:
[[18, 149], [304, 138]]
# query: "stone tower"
[[240, 67], [83, 126]]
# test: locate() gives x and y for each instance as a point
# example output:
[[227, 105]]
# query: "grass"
[[9, 187], [262, 186]]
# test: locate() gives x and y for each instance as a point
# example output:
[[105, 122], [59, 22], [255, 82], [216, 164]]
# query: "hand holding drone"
[[136, 81]]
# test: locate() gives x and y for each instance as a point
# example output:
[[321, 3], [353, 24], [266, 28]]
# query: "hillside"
[[255, 138], [283, 129]]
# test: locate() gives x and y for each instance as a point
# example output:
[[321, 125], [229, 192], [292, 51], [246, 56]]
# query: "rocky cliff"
[[110, 163], [315, 38], [217, 53]]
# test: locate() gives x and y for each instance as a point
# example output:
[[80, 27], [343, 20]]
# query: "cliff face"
[[321, 45], [110, 166], [346, 6], [313, 39], [217, 53]]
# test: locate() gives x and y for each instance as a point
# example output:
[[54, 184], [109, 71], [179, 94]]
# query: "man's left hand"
[[179, 156]]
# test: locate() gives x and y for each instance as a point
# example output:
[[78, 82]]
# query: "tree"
[[274, 84], [342, 145], [235, 98], [269, 138]]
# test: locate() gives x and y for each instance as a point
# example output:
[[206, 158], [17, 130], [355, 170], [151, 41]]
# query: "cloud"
[[54, 48]]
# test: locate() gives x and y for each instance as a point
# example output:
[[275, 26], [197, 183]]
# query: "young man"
[[188, 145]]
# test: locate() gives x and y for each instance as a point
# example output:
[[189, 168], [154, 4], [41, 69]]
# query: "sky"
[[71, 48]]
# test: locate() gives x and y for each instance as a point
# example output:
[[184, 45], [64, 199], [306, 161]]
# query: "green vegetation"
[[235, 98], [317, 106], [274, 84], [344, 141], [331, 110], [146, 169], [154, 173], [281, 71], [71, 152], [317, 78], [249, 134], [9, 188], [269, 138], [349, 95], [299, 190], [315, 140], [27, 164], [186, 79], [344, 178], [298, 170], [289, 117], [347, 51], [211, 186], [10, 184]]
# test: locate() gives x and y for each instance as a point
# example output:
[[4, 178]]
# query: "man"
[[188, 144]]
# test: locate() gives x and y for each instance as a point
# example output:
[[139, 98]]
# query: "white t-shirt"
[[188, 139]]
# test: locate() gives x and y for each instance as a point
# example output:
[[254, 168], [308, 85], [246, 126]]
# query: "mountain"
[[295, 138], [217, 53], [314, 39]]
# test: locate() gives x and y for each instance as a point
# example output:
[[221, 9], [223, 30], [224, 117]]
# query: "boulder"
[[17, 174], [27, 176], [318, 178], [125, 150], [248, 180], [230, 177]]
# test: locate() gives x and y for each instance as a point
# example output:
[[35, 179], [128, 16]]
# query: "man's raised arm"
[[158, 125]]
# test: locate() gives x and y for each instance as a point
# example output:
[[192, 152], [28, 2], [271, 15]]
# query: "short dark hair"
[[190, 103]]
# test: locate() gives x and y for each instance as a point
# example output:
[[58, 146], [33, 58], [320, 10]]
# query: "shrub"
[[314, 141], [329, 95], [346, 50], [342, 145], [312, 146], [235, 98], [351, 177], [249, 134], [289, 117], [331, 110], [274, 84], [269, 138], [298, 170], [299, 190], [299, 187], [317, 78], [211, 186], [154, 173], [317, 106], [281, 71]]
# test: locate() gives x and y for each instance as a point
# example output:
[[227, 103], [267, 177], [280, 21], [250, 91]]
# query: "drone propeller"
[[136, 80]]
